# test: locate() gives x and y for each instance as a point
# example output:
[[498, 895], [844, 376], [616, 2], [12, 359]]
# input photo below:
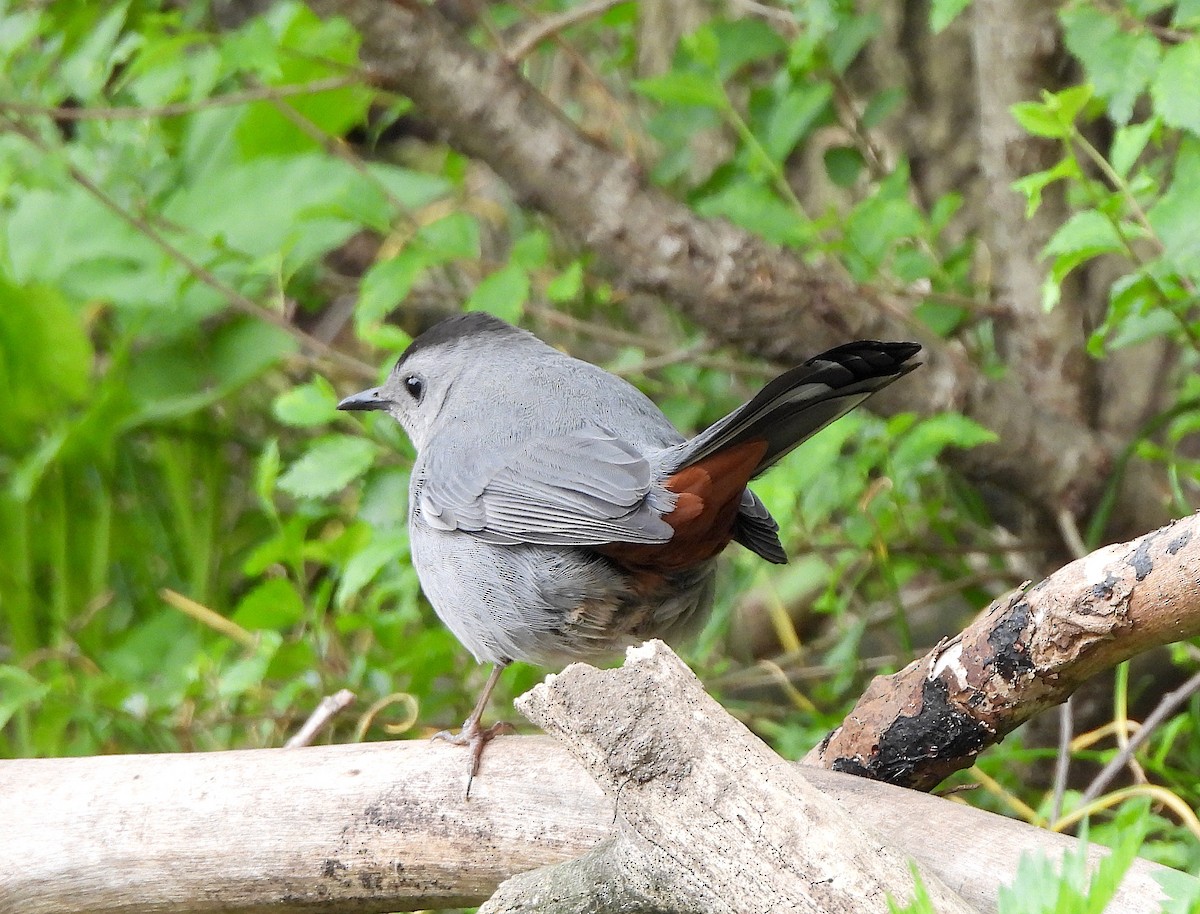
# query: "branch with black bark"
[[1026, 653], [767, 301]]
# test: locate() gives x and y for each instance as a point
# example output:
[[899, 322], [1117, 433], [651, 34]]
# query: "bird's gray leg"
[[474, 735]]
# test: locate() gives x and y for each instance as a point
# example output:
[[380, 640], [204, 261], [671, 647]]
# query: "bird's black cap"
[[457, 327]]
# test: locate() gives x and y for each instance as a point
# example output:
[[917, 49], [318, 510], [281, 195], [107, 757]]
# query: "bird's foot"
[[476, 737]]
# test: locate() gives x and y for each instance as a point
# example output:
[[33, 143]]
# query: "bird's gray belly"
[[551, 604]]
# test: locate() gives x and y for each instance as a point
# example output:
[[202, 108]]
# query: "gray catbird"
[[556, 514]]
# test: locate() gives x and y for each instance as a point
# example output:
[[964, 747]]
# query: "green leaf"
[[702, 46], [387, 283], [881, 105], [684, 88], [330, 464], [1119, 63], [90, 65], [385, 548], [273, 605], [1069, 102], [843, 164], [295, 46], [46, 360], [1176, 216], [1086, 233], [927, 439], [244, 349], [1187, 14], [18, 690], [943, 319], [567, 285], [1033, 185], [413, 189], [531, 250], [943, 12], [1176, 88], [1054, 116], [743, 41], [851, 36], [266, 475], [310, 404], [792, 118], [1140, 326], [1182, 891], [1128, 144], [1038, 119], [453, 237], [759, 210], [502, 294], [248, 673], [283, 203]]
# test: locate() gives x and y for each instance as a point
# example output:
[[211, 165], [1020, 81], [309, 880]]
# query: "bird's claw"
[[476, 737]]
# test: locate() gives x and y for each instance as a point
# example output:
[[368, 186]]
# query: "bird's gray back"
[[528, 390]]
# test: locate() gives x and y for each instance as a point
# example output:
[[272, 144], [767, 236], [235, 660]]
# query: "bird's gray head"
[[419, 384]]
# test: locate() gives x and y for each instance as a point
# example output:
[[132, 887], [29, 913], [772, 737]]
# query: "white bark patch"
[[1095, 566], [950, 659]]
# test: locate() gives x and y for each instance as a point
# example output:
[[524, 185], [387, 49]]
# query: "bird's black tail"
[[790, 409], [803, 400]]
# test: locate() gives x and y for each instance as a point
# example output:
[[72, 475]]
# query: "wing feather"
[[585, 488]]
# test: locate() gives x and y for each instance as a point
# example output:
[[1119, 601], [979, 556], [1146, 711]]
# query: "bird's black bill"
[[364, 400]]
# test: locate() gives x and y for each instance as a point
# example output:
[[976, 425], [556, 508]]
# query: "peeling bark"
[[1026, 653]]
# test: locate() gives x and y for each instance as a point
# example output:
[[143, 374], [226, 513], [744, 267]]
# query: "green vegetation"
[[209, 229]]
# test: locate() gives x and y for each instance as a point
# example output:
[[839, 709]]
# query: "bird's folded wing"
[[580, 489]]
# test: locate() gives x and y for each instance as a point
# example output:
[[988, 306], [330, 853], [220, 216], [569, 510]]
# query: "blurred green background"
[[211, 226]]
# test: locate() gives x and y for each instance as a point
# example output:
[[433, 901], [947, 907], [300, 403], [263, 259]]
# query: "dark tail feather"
[[793, 407], [803, 400]]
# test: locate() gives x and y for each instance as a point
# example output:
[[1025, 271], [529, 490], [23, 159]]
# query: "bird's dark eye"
[[415, 386]]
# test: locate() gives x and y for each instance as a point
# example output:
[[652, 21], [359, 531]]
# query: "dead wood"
[[1025, 653]]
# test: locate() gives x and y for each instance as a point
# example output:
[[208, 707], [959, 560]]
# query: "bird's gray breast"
[[539, 603]]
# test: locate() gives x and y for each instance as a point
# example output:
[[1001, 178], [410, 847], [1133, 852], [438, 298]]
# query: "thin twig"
[[1062, 764], [231, 99], [688, 354], [328, 708], [615, 337], [1166, 707], [552, 25], [1069, 529], [1070, 534]]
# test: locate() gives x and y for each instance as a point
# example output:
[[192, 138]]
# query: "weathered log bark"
[[383, 827], [744, 291], [708, 818], [1026, 653]]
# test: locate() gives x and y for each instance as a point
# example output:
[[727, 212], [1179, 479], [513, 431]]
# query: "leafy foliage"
[[200, 220]]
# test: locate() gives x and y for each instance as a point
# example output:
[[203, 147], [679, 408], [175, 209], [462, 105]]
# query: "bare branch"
[[1026, 653], [1165, 708], [326, 710], [551, 26]]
